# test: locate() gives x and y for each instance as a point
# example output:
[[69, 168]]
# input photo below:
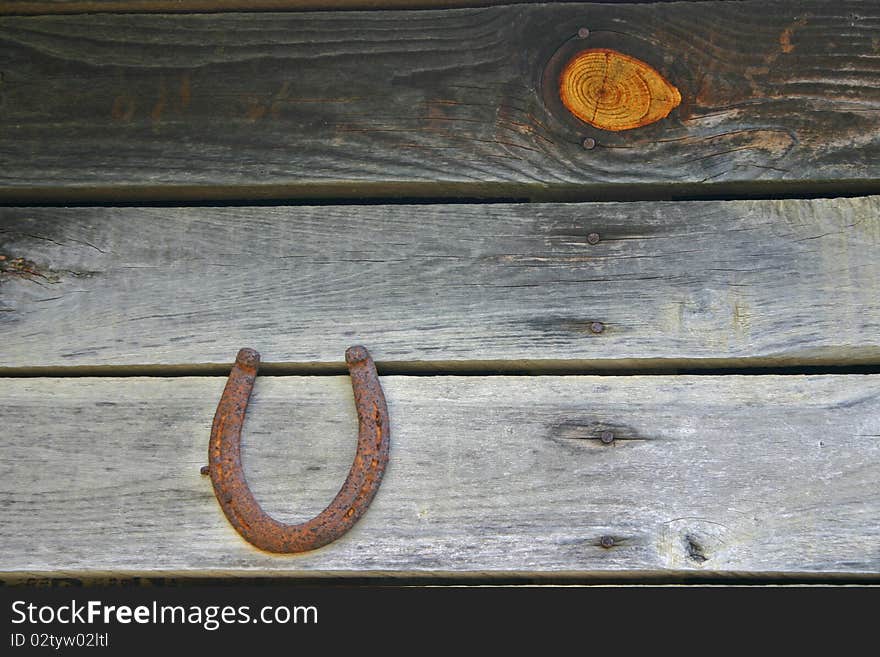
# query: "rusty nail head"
[[205, 470], [588, 143], [593, 238], [606, 542], [596, 327], [607, 437], [583, 32]]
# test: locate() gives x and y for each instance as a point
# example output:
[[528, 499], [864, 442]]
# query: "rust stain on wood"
[[161, 103], [613, 91], [185, 91], [123, 108], [785, 40], [19, 267], [255, 110]]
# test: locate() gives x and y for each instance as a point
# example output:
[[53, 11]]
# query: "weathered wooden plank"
[[753, 475], [36, 7], [433, 102], [752, 282]]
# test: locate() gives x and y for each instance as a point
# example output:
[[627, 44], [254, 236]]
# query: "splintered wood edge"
[[613, 91]]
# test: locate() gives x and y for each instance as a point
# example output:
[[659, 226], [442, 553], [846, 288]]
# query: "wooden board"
[[775, 97], [129, 6], [788, 282], [755, 475]]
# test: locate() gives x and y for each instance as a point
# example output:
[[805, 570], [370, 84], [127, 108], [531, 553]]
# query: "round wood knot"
[[613, 91]]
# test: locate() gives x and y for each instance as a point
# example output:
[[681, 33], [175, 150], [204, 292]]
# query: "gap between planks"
[[421, 193], [441, 578], [617, 367]]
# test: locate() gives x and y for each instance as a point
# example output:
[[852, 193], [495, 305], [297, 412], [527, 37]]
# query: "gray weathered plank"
[[431, 102], [777, 282], [752, 475]]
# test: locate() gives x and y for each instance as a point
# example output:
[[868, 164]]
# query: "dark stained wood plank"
[[775, 96], [756, 475], [787, 282], [35, 7]]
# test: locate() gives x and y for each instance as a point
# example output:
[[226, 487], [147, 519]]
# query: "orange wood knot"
[[613, 91]]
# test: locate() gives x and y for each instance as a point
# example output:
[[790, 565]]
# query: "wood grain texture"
[[613, 91], [777, 282], [36, 7], [432, 102], [749, 475]]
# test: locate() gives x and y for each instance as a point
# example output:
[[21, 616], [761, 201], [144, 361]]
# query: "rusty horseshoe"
[[232, 491]]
